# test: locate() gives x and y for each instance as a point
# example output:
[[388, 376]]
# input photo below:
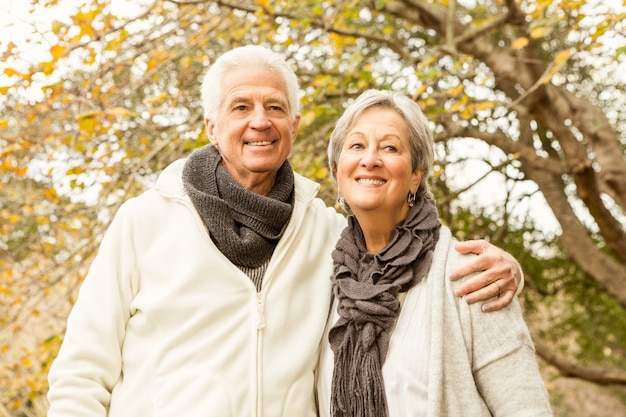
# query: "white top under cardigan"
[[447, 358], [166, 326]]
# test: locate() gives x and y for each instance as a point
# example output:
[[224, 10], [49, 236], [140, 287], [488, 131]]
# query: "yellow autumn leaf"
[[457, 90], [456, 106], [10, 46], [89, 114], [10, 72], [540, 32], [484, 105], [43, 220], [519, 43], [157, 99], [57, 51], [76, 170], [57, 26], [88, 125], [421, 90], [50, 193], [13, 147], [120, 111], [47, 68], [563, 56], [321, 173]]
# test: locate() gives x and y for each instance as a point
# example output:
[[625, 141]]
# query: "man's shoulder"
[[306, 189], [170, 179], [306, 193]]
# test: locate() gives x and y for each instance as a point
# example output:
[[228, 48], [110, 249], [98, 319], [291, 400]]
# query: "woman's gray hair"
[[246, 56], [420, 136]]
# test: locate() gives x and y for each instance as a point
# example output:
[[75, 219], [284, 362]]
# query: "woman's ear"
[[333, 170], [416, 179]]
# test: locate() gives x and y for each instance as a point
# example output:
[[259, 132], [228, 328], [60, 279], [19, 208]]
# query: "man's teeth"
[[263, 143], [370, 181]]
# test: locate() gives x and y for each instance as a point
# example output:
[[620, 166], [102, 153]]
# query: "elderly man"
[[210, 292]]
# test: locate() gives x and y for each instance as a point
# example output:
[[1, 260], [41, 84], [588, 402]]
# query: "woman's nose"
[[370, 157]]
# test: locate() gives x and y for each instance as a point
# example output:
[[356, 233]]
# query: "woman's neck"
[[377, 229], [378, 226]]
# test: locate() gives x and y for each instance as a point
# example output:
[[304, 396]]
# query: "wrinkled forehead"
[[250, 82]]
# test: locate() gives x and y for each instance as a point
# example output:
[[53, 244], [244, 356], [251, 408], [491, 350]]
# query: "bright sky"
[[27, 29], [17, 24]]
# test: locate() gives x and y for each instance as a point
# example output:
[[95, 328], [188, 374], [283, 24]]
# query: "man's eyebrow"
[[245, 99], [279, 100], [238, 99]]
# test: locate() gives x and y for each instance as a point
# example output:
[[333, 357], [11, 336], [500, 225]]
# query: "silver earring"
[[341, 201], [411, 199]]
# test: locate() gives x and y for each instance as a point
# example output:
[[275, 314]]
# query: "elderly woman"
[[401, 344]]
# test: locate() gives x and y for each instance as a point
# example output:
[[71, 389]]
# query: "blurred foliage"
[[112, 96]]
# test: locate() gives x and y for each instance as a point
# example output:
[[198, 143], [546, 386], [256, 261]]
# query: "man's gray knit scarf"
[[366, 286], [245, 226]]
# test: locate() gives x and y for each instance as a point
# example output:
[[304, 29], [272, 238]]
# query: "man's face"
[[254, 130]]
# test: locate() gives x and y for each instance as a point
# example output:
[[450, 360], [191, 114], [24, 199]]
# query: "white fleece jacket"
[[165, 326]]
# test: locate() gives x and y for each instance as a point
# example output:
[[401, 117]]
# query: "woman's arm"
[[504, 364]]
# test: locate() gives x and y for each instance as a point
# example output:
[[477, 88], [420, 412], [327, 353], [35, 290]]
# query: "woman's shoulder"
[[446, 259]]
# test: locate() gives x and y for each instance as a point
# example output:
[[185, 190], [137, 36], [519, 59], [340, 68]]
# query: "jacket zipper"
[[260, 312]]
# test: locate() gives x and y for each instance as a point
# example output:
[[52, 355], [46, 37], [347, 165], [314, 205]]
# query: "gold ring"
[[499, 289]]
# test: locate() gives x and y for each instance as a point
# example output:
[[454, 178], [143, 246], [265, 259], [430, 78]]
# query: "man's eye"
[[241, 107]]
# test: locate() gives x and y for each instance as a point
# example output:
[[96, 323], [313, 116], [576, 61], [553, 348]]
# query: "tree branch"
[[569, 368]]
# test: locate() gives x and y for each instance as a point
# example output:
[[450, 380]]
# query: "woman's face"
[[374, 169]]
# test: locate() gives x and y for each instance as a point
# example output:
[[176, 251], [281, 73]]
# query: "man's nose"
[[259, 119]]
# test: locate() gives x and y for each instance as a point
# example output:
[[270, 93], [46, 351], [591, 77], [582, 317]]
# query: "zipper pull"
[[260, 310]]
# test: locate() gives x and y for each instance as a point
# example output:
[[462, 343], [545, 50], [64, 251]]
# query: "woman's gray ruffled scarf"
[[367, 287]]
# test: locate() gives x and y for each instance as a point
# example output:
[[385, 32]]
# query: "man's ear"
[[210, 131], [296, 122]]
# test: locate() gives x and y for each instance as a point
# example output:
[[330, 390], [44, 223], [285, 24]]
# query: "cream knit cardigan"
[[479, 364]]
